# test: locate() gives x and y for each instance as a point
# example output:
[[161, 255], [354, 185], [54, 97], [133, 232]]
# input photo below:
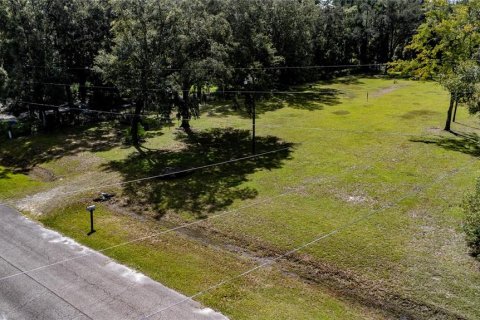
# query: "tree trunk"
[[43, 117], [69, 95], [449, 114], [135, 122], [185, 112], [455, 112], [199, 92], [83, 89], [186, 125]]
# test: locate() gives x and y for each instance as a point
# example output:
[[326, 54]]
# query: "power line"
[[271, 92], [34, 103], [87, 68], [269, 199], [158, 89], [48, 289], [75, 108], [214, 164], [179, 171], [305, 245], [291, 190], [171, 173], [149, 236], [394, 133], [68, 85], [236, 120], [170, 230], [163, 232]]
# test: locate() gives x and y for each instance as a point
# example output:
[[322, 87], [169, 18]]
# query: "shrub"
[[471, 226], [150, 124]]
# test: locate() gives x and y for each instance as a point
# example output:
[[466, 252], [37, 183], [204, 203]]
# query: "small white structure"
[[10, 121]]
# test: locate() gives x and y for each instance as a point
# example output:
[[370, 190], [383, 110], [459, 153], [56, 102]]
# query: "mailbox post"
[[91, 209]]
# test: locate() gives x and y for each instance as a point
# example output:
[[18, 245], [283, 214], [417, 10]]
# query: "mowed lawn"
[[369, 169]]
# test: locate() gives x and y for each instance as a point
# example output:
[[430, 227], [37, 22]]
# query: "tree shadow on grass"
[[4, 174], [24, 153], [302, 99], [468, 143], [466, 125], [306, 100], [202, 191], [346, 80]]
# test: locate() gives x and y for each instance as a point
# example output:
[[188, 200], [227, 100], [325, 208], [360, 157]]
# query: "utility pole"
[[254, 115], [249, 83]]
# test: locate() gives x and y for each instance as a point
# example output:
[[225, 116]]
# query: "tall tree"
[[183, 47], [330, 40], [254, 55], [137, 59], [394, 22], [463, 84], [295, 42], [444, 45], [27, 48], [48, 41], [80, 29], [198, 51]]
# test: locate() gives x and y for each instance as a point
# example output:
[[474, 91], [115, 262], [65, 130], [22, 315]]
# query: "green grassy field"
[[381, 164]]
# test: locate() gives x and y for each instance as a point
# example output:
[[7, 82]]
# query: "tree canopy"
[[161, 55]]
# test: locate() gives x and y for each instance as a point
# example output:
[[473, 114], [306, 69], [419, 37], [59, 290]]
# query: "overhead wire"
[[66, 107], [225, 122], [91, 87], [163, 175], [99, 187], [48, 289], [196, 222], [215, 69], [189, 224], [291, 190], [166, 91], [315, 240]]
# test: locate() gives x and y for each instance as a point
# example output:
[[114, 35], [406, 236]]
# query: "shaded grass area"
[[24, 153], [312, 98], [468, 143], [205, 191]]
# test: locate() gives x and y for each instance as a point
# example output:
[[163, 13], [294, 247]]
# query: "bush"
[[471, 226], [150, 124]]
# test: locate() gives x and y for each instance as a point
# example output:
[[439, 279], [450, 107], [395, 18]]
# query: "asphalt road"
[[91, 287]]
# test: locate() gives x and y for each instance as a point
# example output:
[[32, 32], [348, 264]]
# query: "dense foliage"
[[161, 55]]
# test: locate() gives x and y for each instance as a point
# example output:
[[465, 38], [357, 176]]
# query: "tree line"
[[164, 55]]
